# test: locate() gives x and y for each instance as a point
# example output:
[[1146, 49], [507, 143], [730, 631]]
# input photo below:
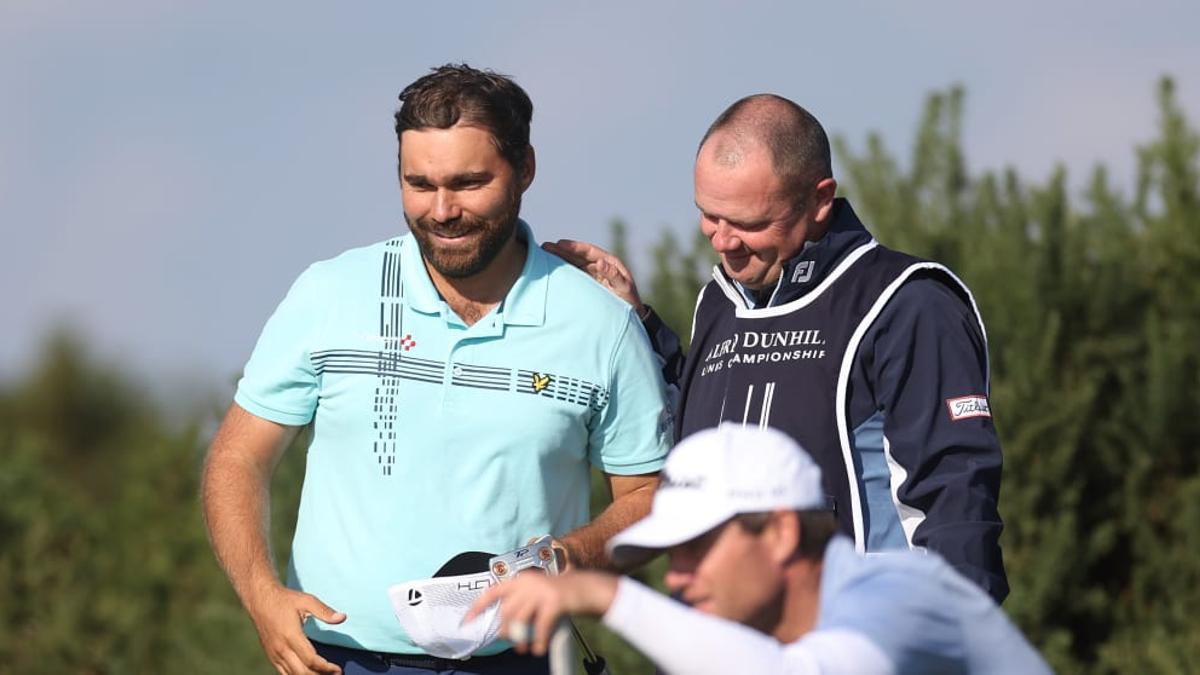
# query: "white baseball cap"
[[431, 610], [714, 475], [431, 613]]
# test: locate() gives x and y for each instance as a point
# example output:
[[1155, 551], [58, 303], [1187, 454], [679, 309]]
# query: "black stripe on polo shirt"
[[431, 368], [382, 356], [463, 377], [383, 364], [386, 274], [375, 371], [485, 370], [481, 386], [461, 373], [424, 362], [389, 281], [387, 364]]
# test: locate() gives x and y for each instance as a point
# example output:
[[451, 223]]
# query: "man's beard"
[[460, 262]]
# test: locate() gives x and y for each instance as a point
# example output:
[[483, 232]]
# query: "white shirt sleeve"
[[682, 640]]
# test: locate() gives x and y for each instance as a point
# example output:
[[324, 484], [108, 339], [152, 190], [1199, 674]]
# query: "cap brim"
[[467, 562], [659, 531]]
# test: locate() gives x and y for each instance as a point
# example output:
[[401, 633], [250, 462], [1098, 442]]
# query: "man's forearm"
[[236, 491], [237, 516], [585, 546]]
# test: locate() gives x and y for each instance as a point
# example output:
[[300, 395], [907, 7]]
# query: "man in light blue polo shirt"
[[460, 382]]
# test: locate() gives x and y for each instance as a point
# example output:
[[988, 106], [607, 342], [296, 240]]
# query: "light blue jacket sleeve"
[[924, 615]]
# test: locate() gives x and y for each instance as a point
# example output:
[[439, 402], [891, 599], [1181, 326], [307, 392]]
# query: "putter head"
[[537, 554]]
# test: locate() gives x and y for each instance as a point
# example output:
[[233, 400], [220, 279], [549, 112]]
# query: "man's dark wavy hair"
[[459, 94]]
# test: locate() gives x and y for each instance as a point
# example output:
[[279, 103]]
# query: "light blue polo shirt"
[[430, 437]]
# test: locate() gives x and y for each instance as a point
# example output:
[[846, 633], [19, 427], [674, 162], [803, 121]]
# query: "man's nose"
[[680, 571], [724, 239], [445, 206]]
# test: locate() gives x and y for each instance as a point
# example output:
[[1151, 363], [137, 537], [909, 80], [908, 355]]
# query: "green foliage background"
[[1092, 305]]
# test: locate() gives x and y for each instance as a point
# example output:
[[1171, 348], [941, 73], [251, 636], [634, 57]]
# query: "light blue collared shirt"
[[431, 437]]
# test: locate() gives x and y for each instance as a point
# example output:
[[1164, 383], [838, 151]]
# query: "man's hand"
[[279, 614], [534, 600], [601, 266], [237, 478]]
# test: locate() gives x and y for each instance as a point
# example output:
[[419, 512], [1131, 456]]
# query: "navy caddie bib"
[[788, 366]]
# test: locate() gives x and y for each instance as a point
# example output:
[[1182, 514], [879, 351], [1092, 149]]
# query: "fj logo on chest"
[[803, 272]]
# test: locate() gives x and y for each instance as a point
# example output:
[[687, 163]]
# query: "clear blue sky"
[[168, 167]]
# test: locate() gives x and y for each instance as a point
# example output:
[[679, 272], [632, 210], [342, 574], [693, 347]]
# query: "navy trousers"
[[360, 662]]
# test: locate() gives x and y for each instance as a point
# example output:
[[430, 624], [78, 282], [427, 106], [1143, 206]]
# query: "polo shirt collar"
[[525, 304]]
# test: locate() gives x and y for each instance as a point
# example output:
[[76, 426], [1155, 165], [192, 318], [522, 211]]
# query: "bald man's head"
[[795, 140]]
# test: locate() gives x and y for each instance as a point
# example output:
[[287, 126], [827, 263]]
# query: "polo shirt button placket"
[[453, 370], [450, 392]]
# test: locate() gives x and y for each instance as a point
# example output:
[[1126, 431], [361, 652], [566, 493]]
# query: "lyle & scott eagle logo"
[[540, 382]]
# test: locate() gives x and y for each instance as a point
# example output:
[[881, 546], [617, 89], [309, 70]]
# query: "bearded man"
[[460, 382]]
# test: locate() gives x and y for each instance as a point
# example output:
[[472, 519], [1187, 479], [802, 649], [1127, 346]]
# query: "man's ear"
[[529, 169], [782, 536], [822, 202]]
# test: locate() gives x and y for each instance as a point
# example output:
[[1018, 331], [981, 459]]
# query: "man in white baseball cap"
[[772, 587]]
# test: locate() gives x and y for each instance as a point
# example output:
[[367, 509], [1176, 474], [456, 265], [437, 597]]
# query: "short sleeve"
[[632, 431], [279, 382]]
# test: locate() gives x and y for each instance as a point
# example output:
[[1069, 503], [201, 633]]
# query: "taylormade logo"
[[414, 597]]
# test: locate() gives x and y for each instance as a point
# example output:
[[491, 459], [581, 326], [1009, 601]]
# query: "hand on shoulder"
[[604, 267]]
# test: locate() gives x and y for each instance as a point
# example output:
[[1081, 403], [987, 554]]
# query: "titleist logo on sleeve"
[[964, 407]]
